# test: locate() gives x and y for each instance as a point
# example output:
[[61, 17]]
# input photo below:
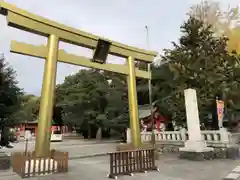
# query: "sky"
[[119, 20]]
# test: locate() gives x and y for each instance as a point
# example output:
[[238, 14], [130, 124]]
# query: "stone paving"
[[76, 148], [171, 167]]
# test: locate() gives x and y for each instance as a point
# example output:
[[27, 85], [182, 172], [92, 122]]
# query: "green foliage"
[[91, 97], [199, 61], [222, 22], [9, 93], [29, 108], [210, 13]]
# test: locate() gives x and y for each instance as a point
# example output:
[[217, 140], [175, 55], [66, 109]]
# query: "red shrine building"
[[32, 126], [159, 121]]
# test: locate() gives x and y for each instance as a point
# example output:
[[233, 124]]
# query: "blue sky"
[[120, 20]]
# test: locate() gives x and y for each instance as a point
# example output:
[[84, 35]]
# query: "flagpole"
[[150, 89]]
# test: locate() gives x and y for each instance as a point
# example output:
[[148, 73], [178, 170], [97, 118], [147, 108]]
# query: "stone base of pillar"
[[197, 156], [233, 152], [196, 151], [4, 161]]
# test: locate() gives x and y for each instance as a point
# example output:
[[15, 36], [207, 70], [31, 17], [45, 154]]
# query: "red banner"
[[220, 112]]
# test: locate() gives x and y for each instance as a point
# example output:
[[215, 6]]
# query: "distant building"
[[160, 122], [32, 126]]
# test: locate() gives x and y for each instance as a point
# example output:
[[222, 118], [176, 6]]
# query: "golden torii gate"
[[55, 32]]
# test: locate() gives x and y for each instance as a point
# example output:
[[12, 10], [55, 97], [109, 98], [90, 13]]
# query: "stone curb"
[[87, 156], [234, 175]]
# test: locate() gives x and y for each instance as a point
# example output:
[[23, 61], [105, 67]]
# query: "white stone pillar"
[[224, 136], [129, 138], [183, 132], [195, 143]]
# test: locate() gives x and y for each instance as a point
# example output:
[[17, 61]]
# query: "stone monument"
[[195, 147]]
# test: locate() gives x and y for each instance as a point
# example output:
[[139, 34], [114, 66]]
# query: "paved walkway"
[[171, 168], [76, 148]]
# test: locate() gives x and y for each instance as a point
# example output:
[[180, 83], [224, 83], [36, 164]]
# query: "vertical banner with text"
[[220, 112]]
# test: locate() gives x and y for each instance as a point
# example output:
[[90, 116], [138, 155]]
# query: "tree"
[[91, 98], [222, 22], [117, 106], [211, 13], [198, 61], [9, 98], [29, 108], [234, 40]]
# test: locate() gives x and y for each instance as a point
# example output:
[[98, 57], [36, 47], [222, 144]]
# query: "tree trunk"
[[89, 132], [99, 134], [4, 136]]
